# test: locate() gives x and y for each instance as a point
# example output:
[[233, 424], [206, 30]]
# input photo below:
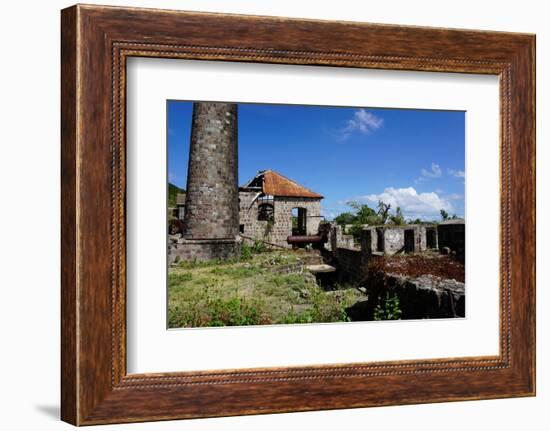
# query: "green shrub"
[[259, 247], [387, 308], [246, 252]]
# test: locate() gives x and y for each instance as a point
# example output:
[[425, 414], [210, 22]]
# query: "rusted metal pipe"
[[306, 239]]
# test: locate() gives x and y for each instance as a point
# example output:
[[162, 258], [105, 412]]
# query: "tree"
[[398, 218], [383, 211], [365, 214], [362, 215], [345, 218], [444, 215]]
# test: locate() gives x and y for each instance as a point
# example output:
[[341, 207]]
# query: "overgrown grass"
[[246, 292]]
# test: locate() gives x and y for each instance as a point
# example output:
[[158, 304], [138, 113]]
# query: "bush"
[[248, 251], [259, 247], [388, 308]]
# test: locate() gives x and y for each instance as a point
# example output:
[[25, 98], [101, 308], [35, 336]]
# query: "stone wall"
[[422, 297], [367, 245], [276, 232], [394, 240], [337, 239], [391, 239], [182, 249], [352, 264]]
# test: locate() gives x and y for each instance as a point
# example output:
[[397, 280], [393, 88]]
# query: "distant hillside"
[[172, 194]]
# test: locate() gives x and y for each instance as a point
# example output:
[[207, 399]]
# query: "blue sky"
[[408, 158]]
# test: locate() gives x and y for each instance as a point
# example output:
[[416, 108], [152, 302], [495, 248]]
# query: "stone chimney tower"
[[211, 221]]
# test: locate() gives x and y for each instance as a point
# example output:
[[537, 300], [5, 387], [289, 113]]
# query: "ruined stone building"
[[408, 238], [413, 238], [388, 239], [273, 207]]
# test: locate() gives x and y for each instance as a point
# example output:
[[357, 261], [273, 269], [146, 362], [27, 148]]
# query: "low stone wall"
[[290, 268], [351, 264], [187, 250], [338, 239]]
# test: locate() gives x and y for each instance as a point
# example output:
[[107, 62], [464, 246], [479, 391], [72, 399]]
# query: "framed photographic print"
[[268, 215]]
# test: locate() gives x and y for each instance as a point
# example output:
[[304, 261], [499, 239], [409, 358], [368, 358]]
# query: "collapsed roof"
[[274, 184]]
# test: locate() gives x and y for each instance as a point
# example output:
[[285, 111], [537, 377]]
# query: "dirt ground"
[[415, 265]]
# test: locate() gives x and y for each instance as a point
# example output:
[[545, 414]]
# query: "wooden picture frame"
[[95, 42]]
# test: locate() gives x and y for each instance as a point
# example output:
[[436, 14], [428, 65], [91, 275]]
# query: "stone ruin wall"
[[394, 240], [338, 239], [181, 249], [422, 297], [281, 227], [394, 237]]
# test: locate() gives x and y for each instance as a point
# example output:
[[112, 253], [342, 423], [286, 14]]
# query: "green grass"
[[246, 292]]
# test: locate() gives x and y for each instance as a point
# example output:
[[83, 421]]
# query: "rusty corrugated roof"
[[278, 185]]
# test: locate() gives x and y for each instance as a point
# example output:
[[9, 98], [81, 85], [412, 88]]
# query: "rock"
[[322, 268], [445, 250]]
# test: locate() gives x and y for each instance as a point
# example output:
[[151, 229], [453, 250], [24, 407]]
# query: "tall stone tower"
[[211, 221]]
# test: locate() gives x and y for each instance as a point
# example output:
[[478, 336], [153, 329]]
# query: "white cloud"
[[457, 173], [434, 172], [429, 174], [413, 204], [363, 122]]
